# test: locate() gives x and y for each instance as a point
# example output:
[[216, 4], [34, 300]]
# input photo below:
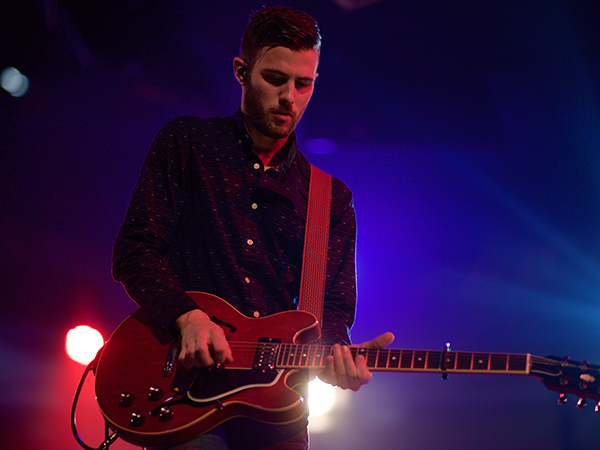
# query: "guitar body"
[[150, 405]]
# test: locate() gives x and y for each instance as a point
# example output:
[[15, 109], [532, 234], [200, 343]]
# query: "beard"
[[264, 120]]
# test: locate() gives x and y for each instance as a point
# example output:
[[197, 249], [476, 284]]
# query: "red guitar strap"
[[316, 238]]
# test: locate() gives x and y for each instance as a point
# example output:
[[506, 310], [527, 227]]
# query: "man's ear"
[[240, 70]]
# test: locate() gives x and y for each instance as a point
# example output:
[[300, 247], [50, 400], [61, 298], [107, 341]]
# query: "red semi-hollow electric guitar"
[[151, 401]]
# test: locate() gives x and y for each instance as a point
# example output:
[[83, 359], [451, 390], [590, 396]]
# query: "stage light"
[[14, 82], [321, 397], [83, 343]]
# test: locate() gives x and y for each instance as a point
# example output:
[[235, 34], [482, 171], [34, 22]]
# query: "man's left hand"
[[346, 372]]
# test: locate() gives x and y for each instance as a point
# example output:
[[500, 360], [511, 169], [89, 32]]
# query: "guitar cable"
[[109, 438]]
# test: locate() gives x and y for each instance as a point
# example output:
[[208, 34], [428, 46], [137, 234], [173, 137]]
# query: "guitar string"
[[318, 352], [557, 362], [253, 347]]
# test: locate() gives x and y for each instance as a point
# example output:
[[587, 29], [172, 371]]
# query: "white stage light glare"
[[83, 343]]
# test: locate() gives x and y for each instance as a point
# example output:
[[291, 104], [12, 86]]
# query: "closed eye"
[[277, 79], [303, 84]]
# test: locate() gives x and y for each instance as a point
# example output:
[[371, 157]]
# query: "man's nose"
[[288, 94]]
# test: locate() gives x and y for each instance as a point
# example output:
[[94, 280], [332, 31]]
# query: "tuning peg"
[[581, 403], [562, 398]]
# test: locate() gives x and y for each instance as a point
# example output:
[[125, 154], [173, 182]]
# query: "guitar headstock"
[[568, 377]]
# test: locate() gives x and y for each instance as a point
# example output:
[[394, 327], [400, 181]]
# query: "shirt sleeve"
[[148, 229], [340, 291]]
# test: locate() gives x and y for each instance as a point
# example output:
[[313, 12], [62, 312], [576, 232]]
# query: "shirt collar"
[[245, 140]]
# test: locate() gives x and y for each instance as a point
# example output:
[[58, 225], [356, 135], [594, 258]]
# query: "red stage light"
[[82, 344]]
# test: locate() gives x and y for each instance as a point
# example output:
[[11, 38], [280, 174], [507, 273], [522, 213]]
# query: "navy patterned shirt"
[[206, 216]]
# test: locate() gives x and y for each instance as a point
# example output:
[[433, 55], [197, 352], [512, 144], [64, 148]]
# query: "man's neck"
[[270, 157], [268, 149]]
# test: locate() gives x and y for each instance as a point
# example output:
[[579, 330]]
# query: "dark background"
[[469, 132]]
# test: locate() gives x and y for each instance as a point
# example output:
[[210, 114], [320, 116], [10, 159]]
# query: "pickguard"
[[212, 384]]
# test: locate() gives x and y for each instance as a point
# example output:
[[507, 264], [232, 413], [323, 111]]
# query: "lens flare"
[[14, 82], [321, 397], [83, 343]]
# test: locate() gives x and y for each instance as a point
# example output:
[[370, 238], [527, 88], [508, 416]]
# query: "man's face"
[[278, 89]]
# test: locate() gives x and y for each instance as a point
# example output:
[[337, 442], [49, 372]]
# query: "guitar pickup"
[[266, 354]]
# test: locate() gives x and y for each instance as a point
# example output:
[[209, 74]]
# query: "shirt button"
[[250, 242], [254, 206], [256, 166], [247, 280], [256, 314]]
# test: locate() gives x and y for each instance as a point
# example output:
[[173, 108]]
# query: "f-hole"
[[232, 329]]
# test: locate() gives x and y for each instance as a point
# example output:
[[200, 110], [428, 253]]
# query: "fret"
[[382, 358], [419, 360], [406, 359], [319, 356], [284, 353], [312, 350], [305, 355], [372, 357], [434, 360], [498, 362], [517, 363], [359, 351], [464, 361], [302, 356], [279, 361], [451, 360], [480, 361], [394, 359], [293, 359]]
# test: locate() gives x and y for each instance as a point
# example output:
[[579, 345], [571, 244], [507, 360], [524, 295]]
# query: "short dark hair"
[[279, 26]]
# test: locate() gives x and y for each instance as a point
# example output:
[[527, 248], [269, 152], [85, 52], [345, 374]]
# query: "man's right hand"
[[203, 342]]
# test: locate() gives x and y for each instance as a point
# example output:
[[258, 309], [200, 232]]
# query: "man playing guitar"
[[220, 207]]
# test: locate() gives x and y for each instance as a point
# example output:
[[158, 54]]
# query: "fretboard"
[[292, 356]]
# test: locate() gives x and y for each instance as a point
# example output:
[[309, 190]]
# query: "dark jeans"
[[246, 434]]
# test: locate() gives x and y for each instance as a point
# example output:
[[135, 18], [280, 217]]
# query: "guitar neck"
[[292, 356]]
